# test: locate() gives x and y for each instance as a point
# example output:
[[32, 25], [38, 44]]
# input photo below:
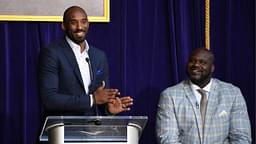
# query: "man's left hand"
[[120, 104]]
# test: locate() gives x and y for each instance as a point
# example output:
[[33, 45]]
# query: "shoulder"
[[174, 93], [225, 86], [226, 90], [177, 89], [58, 43], [54, 49], [96, 50]]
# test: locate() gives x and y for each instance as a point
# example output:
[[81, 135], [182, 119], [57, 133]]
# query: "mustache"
[[77, 31]]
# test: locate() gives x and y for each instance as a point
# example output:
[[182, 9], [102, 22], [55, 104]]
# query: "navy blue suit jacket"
[[60, 83]]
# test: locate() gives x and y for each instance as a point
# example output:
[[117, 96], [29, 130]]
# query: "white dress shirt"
[[197, 94], [82, 64]]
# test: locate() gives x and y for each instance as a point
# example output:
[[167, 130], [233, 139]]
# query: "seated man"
[[202, 110]]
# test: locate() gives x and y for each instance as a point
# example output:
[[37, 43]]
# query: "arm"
[[59, 88], [116, 104], [166, 123], [240, 130], [119, 104]]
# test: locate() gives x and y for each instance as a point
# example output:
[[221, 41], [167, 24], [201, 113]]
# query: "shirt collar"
[[206, 88], [75, 47]]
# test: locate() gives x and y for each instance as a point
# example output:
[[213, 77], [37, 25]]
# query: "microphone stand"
[[97, 121]]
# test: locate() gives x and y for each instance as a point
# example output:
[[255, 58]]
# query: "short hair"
[[208, 51], [67, 11]]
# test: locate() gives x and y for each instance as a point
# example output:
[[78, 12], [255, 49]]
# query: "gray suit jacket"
[[178, 118]]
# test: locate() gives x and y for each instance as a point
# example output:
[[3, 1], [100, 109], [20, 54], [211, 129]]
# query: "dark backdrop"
[[147, 43]]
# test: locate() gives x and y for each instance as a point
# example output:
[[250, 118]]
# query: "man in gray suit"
[[202, 110]]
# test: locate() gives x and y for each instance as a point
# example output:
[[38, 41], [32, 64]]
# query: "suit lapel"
[[192, 99], [72, 61], [212, 105], [92, 62]]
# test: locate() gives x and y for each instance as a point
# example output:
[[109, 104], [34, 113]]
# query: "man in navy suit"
[[73, 75]]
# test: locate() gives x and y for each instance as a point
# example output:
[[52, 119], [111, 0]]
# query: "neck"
[[201, 84], [82, 47]]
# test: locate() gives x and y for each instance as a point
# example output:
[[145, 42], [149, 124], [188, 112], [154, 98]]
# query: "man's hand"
[[118, 105], [102, 95]]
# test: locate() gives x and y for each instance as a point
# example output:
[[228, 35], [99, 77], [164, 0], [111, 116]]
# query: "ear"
[[213, 67], [63, 26]]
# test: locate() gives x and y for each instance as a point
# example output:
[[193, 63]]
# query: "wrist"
[[108, 112], [92, 100]]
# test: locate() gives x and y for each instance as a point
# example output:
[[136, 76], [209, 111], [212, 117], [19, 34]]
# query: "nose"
[[195, 64], [79, 25]]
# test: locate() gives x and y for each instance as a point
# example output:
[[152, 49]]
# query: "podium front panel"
[[93, 128]]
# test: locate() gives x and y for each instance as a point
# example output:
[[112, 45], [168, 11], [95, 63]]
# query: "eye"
[[84, 21], [202, 62], [72, 22], [192, 61]]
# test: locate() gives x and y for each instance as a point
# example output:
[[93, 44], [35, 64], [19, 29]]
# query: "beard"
[[201, 80], [76, 37]]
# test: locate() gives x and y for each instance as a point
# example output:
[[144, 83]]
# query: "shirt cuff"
[[91, 100]]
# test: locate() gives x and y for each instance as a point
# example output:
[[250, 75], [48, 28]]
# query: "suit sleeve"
[[54, 98], [240, 130], [166, 123]]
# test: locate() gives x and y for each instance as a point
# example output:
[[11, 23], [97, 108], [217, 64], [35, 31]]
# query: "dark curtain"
[[147, 43], [233, 42]]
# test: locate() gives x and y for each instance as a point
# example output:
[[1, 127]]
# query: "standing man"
[[73, 75], [202, 110]]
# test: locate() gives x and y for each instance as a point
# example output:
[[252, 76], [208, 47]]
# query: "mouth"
[[80, 33], [195, 72]]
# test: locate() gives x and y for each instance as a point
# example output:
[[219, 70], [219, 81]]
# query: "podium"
[[92, 129]]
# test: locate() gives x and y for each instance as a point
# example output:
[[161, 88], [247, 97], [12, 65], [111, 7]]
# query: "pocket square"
[[223, 113], [99, 72]]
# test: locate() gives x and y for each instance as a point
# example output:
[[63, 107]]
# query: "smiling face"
[[200, 66], [75, 24]]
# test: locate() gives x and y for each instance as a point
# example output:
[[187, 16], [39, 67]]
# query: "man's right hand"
[[102, 95]]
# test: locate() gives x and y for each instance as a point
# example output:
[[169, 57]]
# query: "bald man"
[[202, 109], [73, 75]]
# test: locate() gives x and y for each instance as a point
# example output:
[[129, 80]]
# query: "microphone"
[[197, 105], [96, 121], [90, 68]]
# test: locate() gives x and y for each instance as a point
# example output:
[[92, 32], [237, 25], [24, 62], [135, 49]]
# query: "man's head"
[[75, 24], [200, 66]]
